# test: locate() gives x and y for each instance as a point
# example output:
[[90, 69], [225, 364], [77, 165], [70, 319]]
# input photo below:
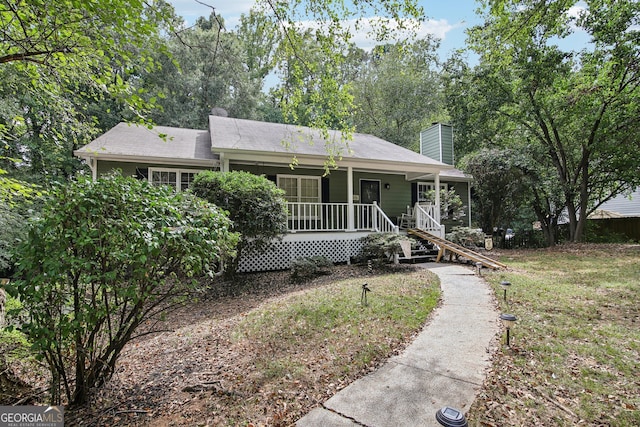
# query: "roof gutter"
[[146, 159], [279, 159]]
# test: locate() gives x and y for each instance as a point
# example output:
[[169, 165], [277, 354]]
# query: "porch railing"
[[335, 217], [425, 217], [373, 216], [317, 216]]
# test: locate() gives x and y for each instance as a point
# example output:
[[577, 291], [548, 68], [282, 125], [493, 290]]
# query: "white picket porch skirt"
[[337, 246]]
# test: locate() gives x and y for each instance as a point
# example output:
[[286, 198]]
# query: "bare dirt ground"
[[195, 373]]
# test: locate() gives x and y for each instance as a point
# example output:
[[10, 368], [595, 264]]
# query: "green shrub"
[[12, 231], [256, 206], [308, 267], [381, 247], [597, 232], [451, 206], [104, 257], [18, 367], [465, 236], [15, 315], [14, 346]]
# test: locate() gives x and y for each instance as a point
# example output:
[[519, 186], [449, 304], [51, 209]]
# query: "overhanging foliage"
[[103, 257]]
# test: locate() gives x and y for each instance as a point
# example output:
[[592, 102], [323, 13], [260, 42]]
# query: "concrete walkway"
[[444, 366]]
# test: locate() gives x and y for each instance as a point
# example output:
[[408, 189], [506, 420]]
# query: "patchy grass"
[[326, 337], [575, 350], [267, 356]]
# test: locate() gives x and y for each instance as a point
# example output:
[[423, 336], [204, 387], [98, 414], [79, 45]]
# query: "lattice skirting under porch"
[[338, 247]]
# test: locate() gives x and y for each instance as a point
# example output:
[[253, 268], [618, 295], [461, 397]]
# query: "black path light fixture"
[[363, 297], [451, 417], [505, 285], [509, 320]]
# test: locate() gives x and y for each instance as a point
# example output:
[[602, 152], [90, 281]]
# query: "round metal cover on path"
[[450, 417]]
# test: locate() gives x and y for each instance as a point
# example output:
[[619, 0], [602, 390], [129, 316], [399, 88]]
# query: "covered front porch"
[[330, 208], [351, 199], [333, 230], [368, 189]]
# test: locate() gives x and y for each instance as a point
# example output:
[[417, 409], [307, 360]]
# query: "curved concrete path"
[[444, 366]]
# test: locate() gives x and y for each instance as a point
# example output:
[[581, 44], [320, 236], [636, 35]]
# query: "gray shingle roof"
[[254, 140], [455, 175], [132, 141], [624, 205], [229, 134]]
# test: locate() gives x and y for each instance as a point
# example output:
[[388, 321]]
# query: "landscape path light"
[[505, 285], [450, 417], [363, 297], [509, 320]]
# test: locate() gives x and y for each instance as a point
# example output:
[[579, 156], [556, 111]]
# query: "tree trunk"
[[549, 235], [573, 221], [584, 200], [55, 387], [233, 265], [80, 392], [580, 225]]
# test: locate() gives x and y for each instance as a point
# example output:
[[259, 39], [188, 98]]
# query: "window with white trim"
[[299, 188], [180, 179], [425, 187]]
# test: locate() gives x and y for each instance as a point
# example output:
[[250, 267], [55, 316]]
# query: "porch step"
[[445, 245], [421, 254], [415, 259]]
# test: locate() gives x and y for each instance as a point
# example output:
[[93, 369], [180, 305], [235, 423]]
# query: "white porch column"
[[469, 203], [437, 207], [224, 163], [93, 165], [350, 209]]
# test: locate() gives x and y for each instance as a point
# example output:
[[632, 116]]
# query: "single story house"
[[375, 184]]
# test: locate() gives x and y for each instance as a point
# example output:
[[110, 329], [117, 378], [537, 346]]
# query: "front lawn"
[[266, 359], [575, 350]]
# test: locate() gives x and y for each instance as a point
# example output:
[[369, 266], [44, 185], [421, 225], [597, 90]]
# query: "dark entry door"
[[369, 191]]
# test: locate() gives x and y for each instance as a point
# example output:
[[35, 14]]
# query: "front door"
[[369, 192]]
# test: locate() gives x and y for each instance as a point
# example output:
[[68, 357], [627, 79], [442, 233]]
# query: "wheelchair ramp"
[[445, 245]]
